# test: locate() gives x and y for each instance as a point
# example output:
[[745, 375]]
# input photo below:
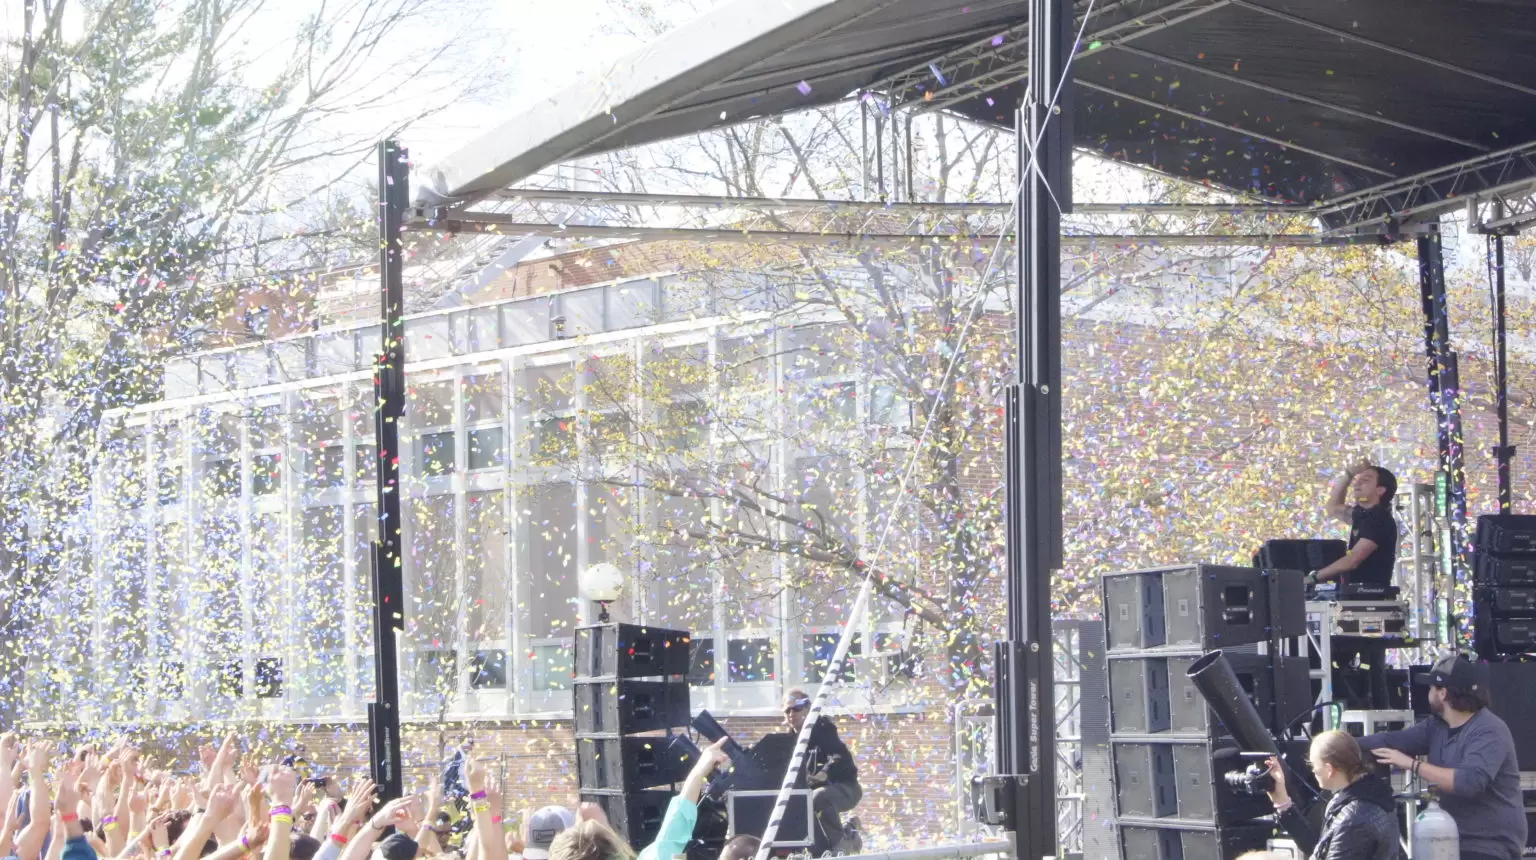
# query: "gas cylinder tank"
[[1434, 835]]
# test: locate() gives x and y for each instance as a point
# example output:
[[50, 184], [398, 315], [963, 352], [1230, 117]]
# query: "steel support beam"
[[1025, 666], [1423, 197], [478, 223], [389, 410], [713, 201]]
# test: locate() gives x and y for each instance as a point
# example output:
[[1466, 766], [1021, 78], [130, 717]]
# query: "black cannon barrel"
[[1212, 675]]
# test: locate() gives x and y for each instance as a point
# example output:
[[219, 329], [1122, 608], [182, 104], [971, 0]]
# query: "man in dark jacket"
[[831, 774], [1467, 753]]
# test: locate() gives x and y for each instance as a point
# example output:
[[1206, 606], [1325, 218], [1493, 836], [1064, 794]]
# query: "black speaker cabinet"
[[630, 651], [630, 763], [1490, 569], [1504, 533], [634, 815], [1302, 555], [1152, 841], [1507, 601], [1144, 783], [627, 707], [1138, 687], [1512, 686], [1181, 779], [1493, 636], [1133, 610], [1208, 606], [1280, 689]]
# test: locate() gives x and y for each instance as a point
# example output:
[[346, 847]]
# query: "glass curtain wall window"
[[211, 520]]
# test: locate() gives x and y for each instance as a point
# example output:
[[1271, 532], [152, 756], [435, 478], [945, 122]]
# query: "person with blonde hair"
[[590, 839], [1360, 821], [593, 839]]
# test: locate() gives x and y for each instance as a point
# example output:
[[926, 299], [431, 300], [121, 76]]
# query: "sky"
[[548, 43]]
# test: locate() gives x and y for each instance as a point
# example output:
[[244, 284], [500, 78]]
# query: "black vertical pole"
[[1444, 390], [1505, 451], [389, 408], [1025, 691]]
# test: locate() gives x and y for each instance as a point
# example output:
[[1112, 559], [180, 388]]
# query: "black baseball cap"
[[1454, 672]]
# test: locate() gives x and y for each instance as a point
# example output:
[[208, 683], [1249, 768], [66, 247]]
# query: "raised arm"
[[284, 786], [29, 843], [221, 804], [120, 825], [492, 845], [10, 750], [1338, 493]]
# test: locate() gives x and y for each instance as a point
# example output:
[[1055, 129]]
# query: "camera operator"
[[1359, 823], [1466, 752]]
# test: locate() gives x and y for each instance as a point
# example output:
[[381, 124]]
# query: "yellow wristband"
[[109, 826], [282, 819], [482, 807]]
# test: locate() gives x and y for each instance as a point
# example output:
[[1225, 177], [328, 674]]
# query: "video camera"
[[1253, 780]]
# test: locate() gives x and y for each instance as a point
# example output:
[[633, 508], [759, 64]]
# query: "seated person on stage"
[[1371, 559], [1468, 754], [830, 773]]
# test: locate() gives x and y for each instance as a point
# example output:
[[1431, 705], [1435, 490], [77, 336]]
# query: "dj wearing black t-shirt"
[[1372, 530], [1370, 560]]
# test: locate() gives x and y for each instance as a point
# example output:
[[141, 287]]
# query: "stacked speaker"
[[1169, 752], [631, 695], [1504, 595]]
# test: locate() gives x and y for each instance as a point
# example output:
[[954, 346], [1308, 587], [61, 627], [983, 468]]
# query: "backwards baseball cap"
[[543, 827], [1454, 672]]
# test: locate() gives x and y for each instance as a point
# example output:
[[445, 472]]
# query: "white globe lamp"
[[602, 584]]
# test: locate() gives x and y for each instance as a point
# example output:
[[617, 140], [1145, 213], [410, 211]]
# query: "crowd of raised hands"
[[111, 803]]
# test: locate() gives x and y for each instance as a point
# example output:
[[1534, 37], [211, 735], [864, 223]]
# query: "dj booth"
[[1178, 778]]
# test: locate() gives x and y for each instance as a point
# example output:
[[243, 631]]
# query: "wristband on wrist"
[[68, 817], [245, 842], [495, 819], [110, 819], [479, 795], [282, 810], [339, 839], [482, 807], [283, 819]]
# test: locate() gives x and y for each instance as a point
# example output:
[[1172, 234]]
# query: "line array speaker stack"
[[1169, 752], [631, 693], [1504, 593]]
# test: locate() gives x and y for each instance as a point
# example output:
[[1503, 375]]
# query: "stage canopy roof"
[[1373, 112]]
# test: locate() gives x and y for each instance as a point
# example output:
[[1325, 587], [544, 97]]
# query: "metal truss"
[[977, 68], [1424, 197], [566, 214], [975, 738], [1502, 214]]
